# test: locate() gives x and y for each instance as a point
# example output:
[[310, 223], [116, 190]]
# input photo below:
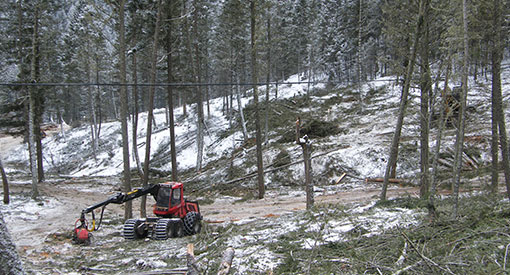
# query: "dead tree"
[[306, 144]]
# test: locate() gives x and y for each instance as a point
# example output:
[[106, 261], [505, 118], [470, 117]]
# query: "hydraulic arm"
[[175, 216], [82, 229]]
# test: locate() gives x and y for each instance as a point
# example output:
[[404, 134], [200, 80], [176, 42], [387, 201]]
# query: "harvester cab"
[[175, 216]]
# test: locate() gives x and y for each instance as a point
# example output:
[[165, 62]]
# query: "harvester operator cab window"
[[176, 197], [163, 197]]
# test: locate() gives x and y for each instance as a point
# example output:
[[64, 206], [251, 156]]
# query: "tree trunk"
[[134, 124], [241, 111], [358, 55], [459, 142], [426, 87], [403, 105], [442, 122], [32, 110], [150, 116], [200, 106], [306, 144], [170, 94], [254, 76], [39, 98], [497, 56], [494, 140], [5, 183], [268, 76], [92, 113], [128, 209], [10, 262]]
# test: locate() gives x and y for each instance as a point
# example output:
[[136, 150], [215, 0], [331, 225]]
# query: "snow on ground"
[[362, 149]]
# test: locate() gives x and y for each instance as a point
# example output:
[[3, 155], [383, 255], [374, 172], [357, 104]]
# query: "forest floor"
[[42, 229], [347, 232]]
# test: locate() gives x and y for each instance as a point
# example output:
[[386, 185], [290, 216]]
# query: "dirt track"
[[67, 199]]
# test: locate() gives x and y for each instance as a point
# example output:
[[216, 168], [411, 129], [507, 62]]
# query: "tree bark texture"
[[170, 93], [497, 56], [426, 87], [199, 95], [10, 262], [442, 123], [38, 96], [241, 110], [32, 110], [128, 210], [403, 105], [150, 115], [254, 76], [306, 145], [459, 142], [134, 124], [268, 77]]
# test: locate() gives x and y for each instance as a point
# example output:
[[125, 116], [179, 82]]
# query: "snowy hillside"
[[268, 234], [360, 147]]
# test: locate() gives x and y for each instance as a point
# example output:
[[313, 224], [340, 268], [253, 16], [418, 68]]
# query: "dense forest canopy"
[[345, 41]]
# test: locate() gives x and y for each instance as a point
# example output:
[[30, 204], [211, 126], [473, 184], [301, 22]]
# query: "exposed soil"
[[67, 198]]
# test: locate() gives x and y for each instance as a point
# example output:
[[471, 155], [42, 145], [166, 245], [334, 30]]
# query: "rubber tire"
[[179, 229], [132, 230], [164, 229], [192, 224]]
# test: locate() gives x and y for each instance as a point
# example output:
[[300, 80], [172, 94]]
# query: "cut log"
[[340, 178], [191, 262], [226, 261], [367, 180]]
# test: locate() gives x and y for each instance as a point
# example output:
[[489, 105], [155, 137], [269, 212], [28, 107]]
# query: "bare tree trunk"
[[403, 105], [306, 144], [5, 183], [358, 56], [10, 262], [38, 98], [254, 76], [268, 76], [200, 106], [459, 142], [241, 111], [170, 94], [128, 209], [134, 124], [32, 110], [92, 114], [442, 122], [150, 116], [494, 142], [97, 103], [497, 56], [426, 87]]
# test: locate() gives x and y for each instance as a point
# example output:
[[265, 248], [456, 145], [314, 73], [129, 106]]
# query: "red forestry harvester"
[[175, 216]]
